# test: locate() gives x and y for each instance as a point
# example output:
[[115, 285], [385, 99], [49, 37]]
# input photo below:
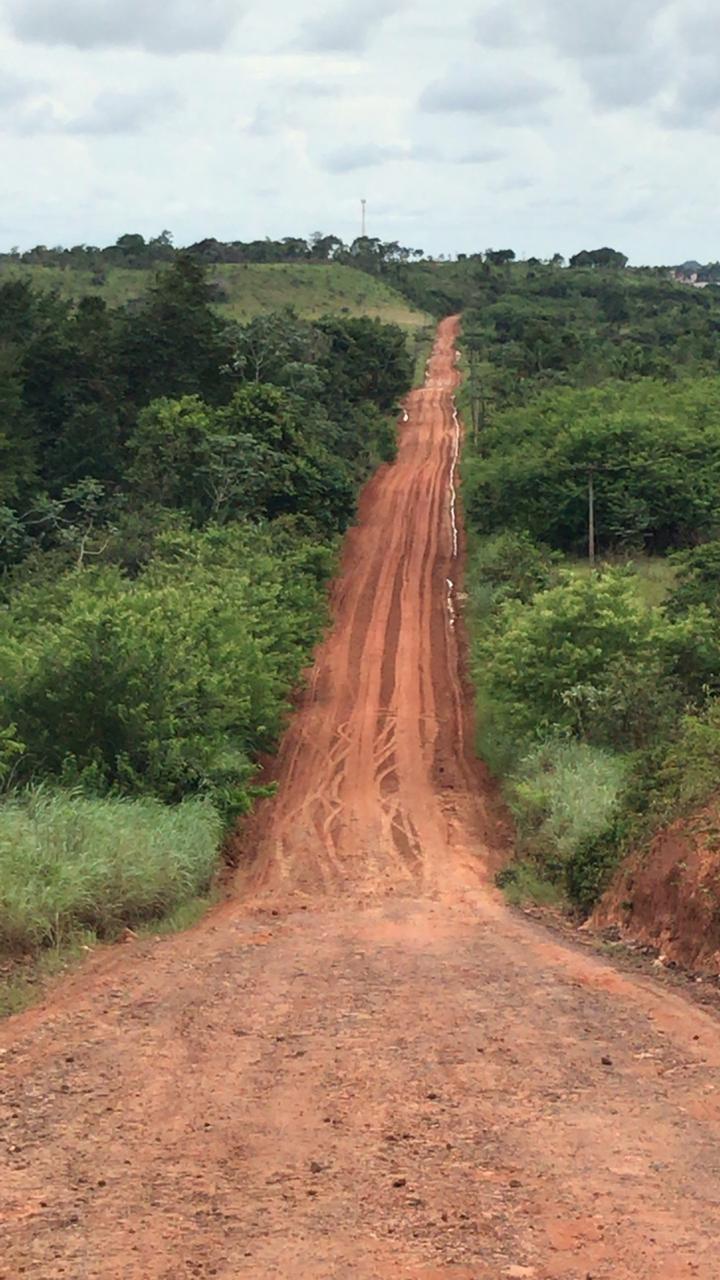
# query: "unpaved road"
[[363, 1066]]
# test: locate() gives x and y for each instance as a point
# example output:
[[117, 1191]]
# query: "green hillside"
[[311, 289]]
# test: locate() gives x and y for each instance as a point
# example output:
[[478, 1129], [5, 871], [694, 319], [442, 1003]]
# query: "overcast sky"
[[543, 125]]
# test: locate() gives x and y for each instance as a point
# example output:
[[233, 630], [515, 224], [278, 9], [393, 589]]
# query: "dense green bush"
[[172, 490], [223, 422], [571, 660], [654, 449], [540, 326], [697, 581], [572, 684], [689, 772], [365, 362], [70, 863], [263, 455], [169, 684], [566, 798], [596, 699], [510, 566], [590, 867]]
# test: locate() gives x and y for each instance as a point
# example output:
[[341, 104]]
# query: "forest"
[[592, 490], [173, 489]]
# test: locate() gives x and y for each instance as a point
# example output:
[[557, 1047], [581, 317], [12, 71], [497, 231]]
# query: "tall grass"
[[655, 576], [563, 794], [72, 862]]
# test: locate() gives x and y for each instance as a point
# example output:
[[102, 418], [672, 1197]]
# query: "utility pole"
[[475, 394], [480, 402], [591, 515], [364, 218]]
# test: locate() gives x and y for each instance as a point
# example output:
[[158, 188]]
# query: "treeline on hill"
[[172, 488], [598, 688], [452, 289], [442, 288], [135, 252]]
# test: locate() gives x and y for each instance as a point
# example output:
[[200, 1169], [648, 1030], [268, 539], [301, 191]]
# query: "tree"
[[500, 257], [131, 250], [323, 248], [573, 659], [256, 457], [654, 450], [74, 391], [18, 457], [175, 344], [610, 258], [366, 361], [281, 348], [697, 581]]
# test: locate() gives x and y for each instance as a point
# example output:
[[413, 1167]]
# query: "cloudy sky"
[[545, 125]]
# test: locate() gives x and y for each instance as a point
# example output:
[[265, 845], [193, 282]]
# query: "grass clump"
[[523, 881], [72, 863], [565, 796], [654, 576], [564, 793]]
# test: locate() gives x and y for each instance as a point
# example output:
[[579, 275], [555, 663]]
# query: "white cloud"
[[508, 25], [124, 113], [347, 159], [698, 26], [110, 113], [592, 28], [479, 155], [695, 103], [173, 26], [282, 121], [14, 88], [625, 80], [507, 95], [348, 29]]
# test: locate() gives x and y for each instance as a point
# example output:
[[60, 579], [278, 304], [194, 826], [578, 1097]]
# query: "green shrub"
[[563, 794], [567, 800], [11, 752], [698, 580], [571, 660], [588, 871], [690, 771], [264, 454], [510, 566], [655, 449], [523, 882], [691, 653], [174, 682], [70, 863]]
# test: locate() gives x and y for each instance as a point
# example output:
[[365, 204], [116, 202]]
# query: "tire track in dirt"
[[389, 672], [362, 1067]]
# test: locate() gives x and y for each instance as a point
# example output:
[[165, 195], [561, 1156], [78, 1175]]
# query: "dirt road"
[[363, 1066]]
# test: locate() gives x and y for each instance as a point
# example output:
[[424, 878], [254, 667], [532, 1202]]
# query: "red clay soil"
[[668, 895], [363, 1067]]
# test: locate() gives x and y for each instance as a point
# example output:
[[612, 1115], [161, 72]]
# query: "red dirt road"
[[377, 775], [364, 1067]]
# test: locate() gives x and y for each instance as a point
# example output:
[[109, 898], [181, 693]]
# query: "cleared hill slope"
[[245, 291]]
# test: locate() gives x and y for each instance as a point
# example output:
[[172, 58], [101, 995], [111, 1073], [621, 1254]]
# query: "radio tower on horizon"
[[363, 232]]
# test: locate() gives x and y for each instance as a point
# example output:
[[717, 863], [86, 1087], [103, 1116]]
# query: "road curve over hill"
[[363, 1067]]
